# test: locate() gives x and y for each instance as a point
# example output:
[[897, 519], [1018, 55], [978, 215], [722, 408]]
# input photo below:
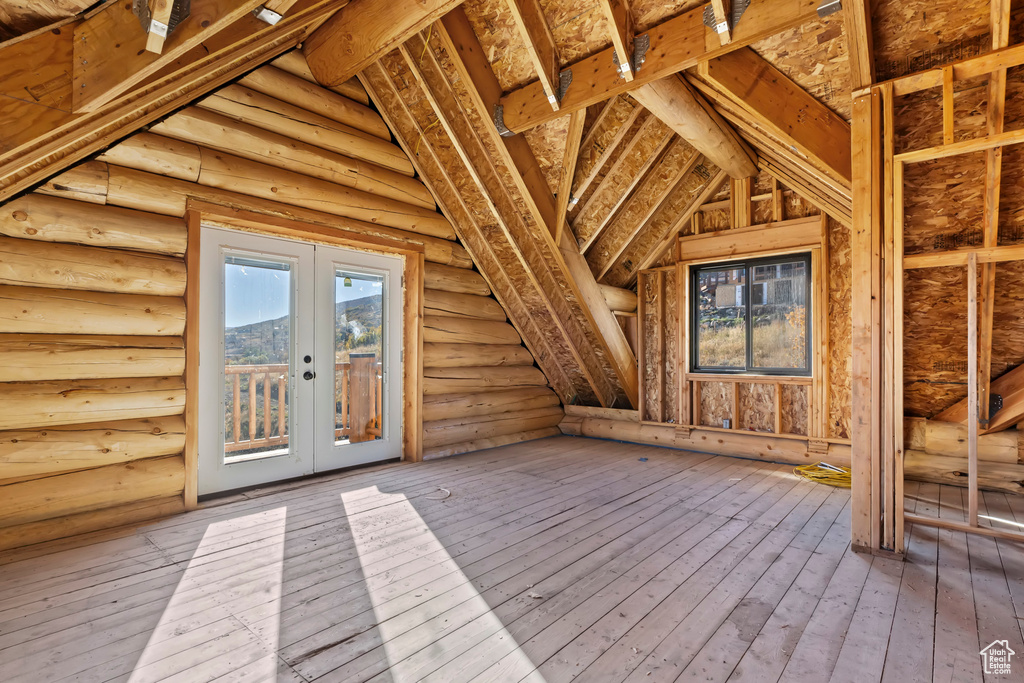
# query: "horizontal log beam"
[[438, 381], [459, 280], [459, 355], [87, 490], [42, 404], [37, 357], [461, 429], [683, 110], [48, 450], [468, 331], [449, 406], [493, 442], [70, 266], [455, 305], [33, 310], [54, 219], [269, 113]]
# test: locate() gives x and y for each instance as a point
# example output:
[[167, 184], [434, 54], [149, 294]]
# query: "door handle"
[[308, 375]]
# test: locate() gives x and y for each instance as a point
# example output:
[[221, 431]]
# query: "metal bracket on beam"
[[828, 7], [180, 11], [499, 122], [721, 26], [267, 16], [641, 44], [564, 79]]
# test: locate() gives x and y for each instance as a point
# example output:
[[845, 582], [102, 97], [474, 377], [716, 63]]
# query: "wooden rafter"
[[660, 233], [783, 107], [722, 9], [43, 138], [679, 162], [1000, 30], [363, 32], [607, 338], [111, 51], [573, 138], [798, 173], [597, 147], [540, 44], [676, 44], [642, 152], [454, 202], [620, 23], [857, 24], [683, 110]]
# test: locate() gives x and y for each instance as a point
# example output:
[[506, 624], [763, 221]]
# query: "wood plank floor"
[[555, 560]]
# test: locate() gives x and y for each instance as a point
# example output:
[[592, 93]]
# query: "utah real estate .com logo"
[[996, 658]]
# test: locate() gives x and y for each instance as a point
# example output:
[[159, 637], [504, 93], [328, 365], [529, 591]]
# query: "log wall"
[[92, 308]]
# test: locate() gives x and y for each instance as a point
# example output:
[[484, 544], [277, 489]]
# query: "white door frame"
[[311, 446]]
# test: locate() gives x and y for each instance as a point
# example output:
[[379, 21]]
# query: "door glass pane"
[[358, 356], [257, 350], [721, 323], [779, 315]]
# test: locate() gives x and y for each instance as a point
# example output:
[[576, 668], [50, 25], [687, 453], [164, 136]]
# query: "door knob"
[[307, 359], [308, 375]]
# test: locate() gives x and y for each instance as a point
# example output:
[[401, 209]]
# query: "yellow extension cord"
[[823, 473]]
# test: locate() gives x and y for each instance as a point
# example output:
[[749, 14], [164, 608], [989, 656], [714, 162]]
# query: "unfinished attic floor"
[[550, 560]]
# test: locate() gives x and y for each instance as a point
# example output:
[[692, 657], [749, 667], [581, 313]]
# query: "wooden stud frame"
[[879, 517], [795, 236], [202, 213]]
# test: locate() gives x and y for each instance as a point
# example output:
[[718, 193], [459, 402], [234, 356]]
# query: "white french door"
[[300, 359]]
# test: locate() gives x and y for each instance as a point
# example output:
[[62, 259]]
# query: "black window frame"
[[749, 264]]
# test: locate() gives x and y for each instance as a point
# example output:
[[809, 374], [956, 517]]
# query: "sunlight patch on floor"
[[393, 627], [197, 624]]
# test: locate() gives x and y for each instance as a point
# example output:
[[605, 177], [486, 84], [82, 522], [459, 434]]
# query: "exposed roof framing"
[[356, 37], [784, 108], [620, 19], [676, 44], [41, 133], [540, 44], [624, 175], [609, 129], [683, 110], [112, 54]]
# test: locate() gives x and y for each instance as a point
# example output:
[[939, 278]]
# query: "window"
[[752, 316]]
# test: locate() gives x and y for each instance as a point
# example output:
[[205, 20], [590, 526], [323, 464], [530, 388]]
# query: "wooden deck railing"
[[357, 394]]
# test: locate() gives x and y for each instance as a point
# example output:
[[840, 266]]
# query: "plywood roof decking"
[[597, 567]]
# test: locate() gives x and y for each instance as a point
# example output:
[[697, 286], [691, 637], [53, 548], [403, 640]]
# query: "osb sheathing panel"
[[795, 206], [660, 224], [935, 334], [761, 212], [659, 180], [919, 34], [622, 148], [478, 229], [840, 360], [934, 340], [757, 407], [615, 187], [1011, 197], [602, 134], [716, 220], [795, 409], [670, 330], [578, 27], [943, 203], [649, 325], [816, 58], [715, 403], [548, 144], [531, 239], [1008, 318], [648, 13]]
